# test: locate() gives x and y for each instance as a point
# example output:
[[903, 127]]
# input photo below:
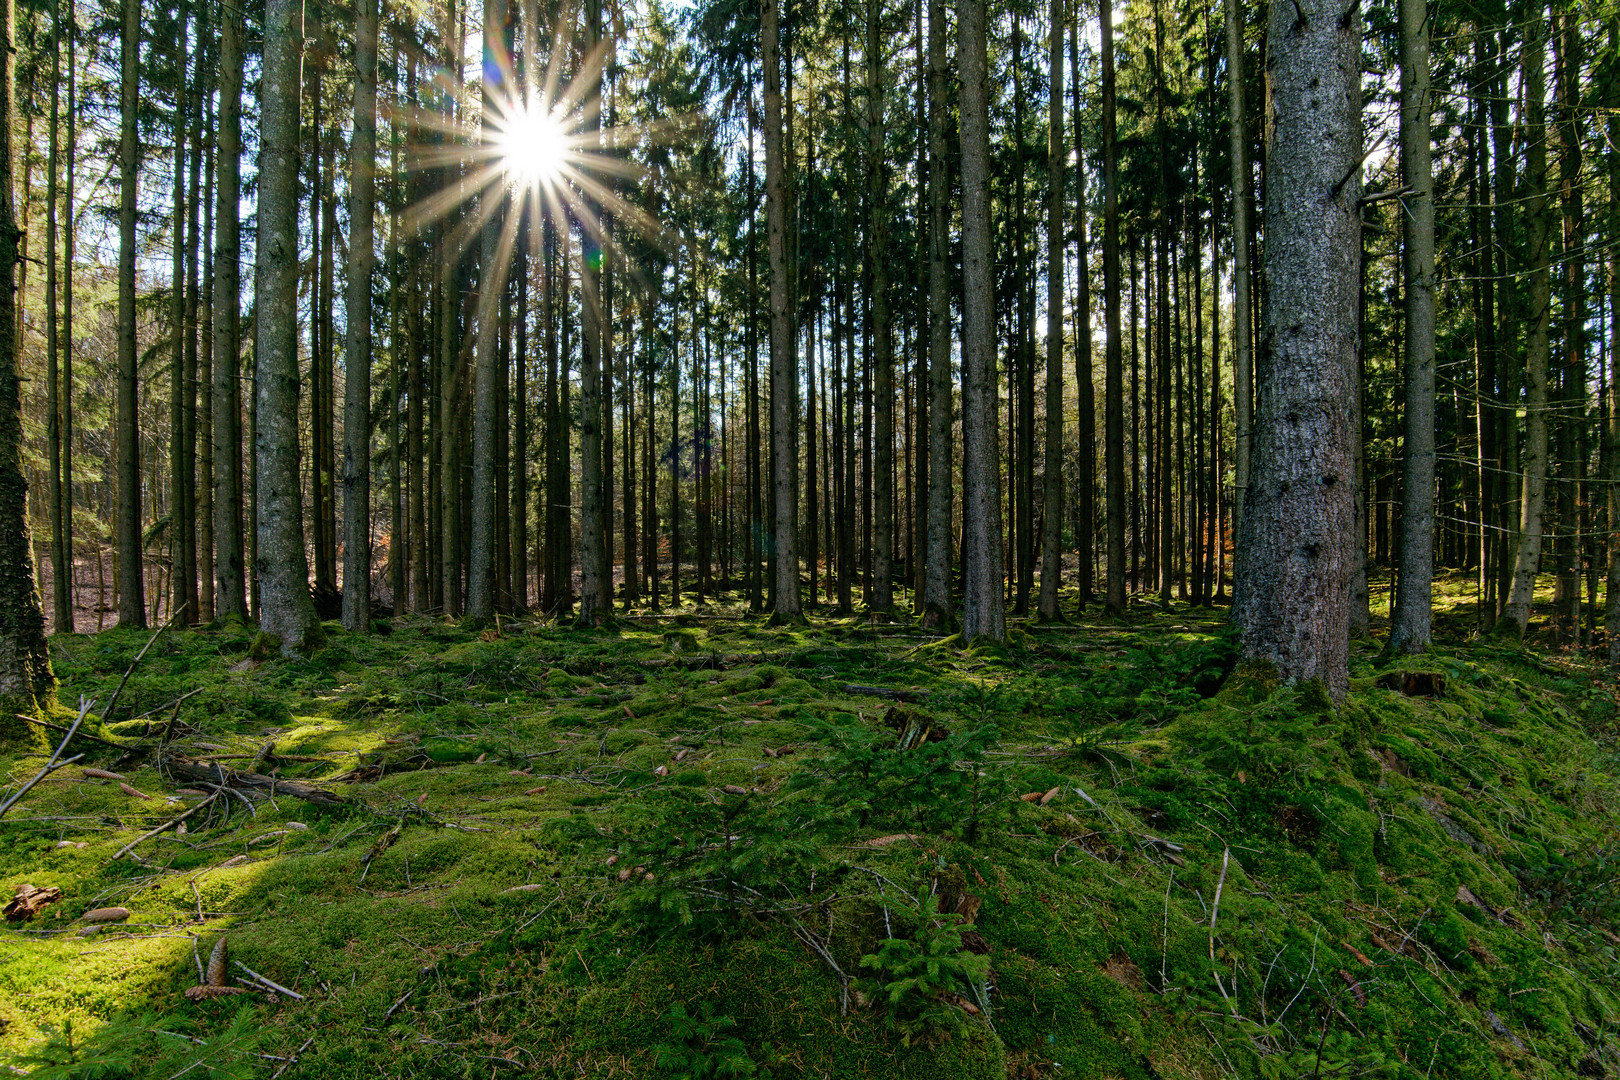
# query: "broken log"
[[213, 774]]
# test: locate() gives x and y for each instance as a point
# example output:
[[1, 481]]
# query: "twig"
[[1214, 912], [113, 701], [400, 1001], [127, 848], [277, 987], [296, 1054], [84, 708], [82, 734]]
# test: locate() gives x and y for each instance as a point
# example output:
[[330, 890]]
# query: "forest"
[[832, 539]]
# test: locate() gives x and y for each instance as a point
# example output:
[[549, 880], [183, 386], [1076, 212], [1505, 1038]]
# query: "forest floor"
[[694, 845]]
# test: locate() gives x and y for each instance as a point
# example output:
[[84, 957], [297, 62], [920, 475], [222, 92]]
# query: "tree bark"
[[1612, 100], [877, 206], [286, 610], [1046, 605], [1538, 211], [937, 610], [1293, 570], [26, 680], [357, 315], [1114, 360], [230, 597], [1242, 335], [596, 591], [784, 370], [131, 587], [1410, 627], [984, 615]]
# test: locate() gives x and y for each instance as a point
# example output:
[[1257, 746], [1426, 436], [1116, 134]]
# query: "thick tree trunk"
[[784, 370], [1293, 571], [26, 680], [984, 615], [1052, 454], [1410, 627], [131, 587], [1538, 210], [357, 315], [282, 565], [937, 610], [179, 520]]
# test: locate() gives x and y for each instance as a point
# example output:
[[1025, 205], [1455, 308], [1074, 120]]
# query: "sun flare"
[[533, 147]]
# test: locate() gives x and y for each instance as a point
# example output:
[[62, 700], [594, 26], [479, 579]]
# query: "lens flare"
[[533, 148]]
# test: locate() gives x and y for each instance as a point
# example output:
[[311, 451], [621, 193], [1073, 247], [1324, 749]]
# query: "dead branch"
[[127, 848], [84, 708], [216, 775]]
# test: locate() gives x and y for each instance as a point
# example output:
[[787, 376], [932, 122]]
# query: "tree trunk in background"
[[282, 565], [984, 614], [937, 610], [481, 548], [596, 587], [68, 234], [1410, 627], [1114, 362], [1052, 464], [784, 370], [1538, 211], [1242, 336], [131, 587], [878, 254], [26, 680], [1085, 540], [61, 574], [180, 522], [357, 316], [1294, 561], [230, 597], [1612, 101]]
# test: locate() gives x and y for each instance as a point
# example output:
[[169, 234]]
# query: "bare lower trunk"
[[882, 338], [286, 610], [1242, 336], [1410, 627], [230, 596], [937, 611], [357, 314], [1296, 547], [1612, 615], [26, 681], [784, 371], [131, 588], [1114, 362], [1052, 457], [1538, 224], [983, 613]]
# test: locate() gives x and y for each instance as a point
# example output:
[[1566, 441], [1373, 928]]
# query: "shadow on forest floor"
[[694, 845]]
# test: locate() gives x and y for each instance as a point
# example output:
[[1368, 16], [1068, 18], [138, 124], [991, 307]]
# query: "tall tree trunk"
[[1572, 451], [1242, 336], [131, 587], [61, 572], [1612, 101], [179, 525], [486, 357], [287, 612], [1410, 627], [1052, 455], [784, 370], [357, 316], [877, 207], [1293, 571], [1538, 211], [1114, 361], [983, 613], [230, 596], [68, 234], [26, 679], [1085, 392], [596, 589], [937, 610]]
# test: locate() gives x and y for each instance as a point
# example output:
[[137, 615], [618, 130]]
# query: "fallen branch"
[[81, 735], [267, 984], [127, 848], [296, 1054], [214, 774], [84, 708], [113, 701], [909, 696]]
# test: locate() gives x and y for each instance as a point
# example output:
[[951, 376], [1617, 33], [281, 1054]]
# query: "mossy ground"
[[1413, 886]]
